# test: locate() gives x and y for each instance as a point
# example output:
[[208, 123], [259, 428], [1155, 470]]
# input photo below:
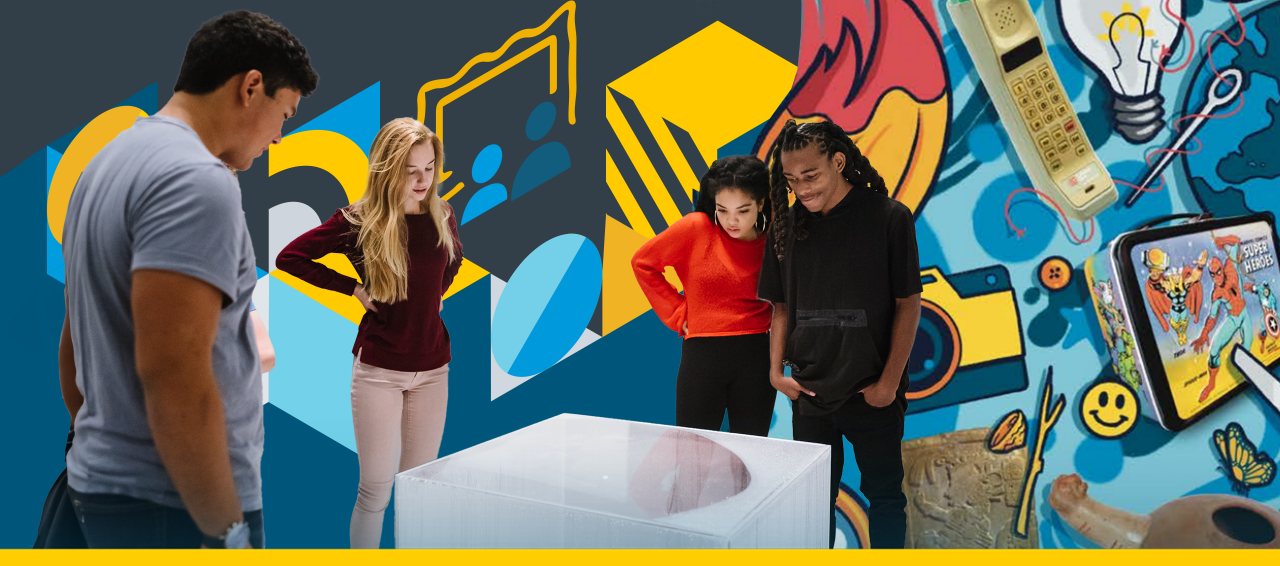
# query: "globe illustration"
[[1236, 170]]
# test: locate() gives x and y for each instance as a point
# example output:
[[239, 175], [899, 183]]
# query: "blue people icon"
[[483, 169], [543, 164]]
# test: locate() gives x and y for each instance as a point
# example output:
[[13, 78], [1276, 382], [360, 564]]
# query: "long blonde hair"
[[379, 214]]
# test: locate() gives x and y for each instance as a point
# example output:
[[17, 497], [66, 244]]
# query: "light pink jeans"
[[399, 421]]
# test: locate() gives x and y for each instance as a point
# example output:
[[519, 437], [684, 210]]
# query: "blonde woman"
[[403, 241]]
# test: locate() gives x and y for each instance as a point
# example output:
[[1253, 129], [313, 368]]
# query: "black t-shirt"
[[840, 285]]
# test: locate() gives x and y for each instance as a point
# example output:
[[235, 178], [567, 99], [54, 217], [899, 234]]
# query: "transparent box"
[[574, 481]]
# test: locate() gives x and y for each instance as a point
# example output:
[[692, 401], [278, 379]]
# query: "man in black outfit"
[[843, 273]]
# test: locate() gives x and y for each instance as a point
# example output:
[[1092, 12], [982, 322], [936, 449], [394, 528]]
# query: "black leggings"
[[725, 372]]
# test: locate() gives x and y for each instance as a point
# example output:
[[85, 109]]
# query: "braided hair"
[[742, 172], [831, 140]]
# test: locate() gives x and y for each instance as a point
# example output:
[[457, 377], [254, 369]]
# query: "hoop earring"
[[764, 222], [715, 219]]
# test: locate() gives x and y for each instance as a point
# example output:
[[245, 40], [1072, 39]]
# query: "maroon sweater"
[[404, 336]]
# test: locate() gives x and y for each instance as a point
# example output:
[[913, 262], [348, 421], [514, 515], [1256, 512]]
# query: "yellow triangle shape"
[[623, 299], [467, 274]]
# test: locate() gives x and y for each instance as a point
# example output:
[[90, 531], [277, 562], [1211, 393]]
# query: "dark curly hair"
[[831, 139], [743, 172], [242, 41]]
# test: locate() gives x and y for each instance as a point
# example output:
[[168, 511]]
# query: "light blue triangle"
[[357, 118], [315, 384]]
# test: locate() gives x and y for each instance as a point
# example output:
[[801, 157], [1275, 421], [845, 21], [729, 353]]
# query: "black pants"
[[719, 373], [118, 521], [876, 436], [59, 527]]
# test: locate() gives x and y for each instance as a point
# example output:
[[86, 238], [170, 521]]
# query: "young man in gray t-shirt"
[[158, 361]]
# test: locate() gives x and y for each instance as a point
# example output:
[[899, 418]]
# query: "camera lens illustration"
[[936, 352], [969, 342]]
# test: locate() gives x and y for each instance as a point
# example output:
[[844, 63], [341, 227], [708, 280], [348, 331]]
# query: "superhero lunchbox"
[[1172, 302]]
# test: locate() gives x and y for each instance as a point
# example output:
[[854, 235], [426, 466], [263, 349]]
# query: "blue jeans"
[[119, 521]]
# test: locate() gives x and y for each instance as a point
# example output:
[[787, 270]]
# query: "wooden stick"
[[1035, 463]]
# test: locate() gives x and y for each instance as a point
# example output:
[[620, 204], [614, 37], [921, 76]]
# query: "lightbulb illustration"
[[1123, 41]]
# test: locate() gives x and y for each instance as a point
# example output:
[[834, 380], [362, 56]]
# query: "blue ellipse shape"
[[546, 305], [540, 121], [486, 163]]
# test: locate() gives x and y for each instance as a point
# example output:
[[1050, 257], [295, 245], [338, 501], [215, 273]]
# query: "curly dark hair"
[[743, 172], [831, 139], [242, 41]]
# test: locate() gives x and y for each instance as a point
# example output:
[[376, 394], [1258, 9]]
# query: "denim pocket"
[[110, 503]]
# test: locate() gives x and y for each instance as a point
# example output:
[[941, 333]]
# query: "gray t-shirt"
[[155, 198]]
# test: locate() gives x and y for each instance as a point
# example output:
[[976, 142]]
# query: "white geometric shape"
[[500, 381], [495, 291], [587, 482], [285, 222], [587, 338]]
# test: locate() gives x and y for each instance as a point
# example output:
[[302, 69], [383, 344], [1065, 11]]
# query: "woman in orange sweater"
[[716, 251]]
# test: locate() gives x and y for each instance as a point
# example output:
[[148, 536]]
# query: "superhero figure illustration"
[[1271, 320], [1125, 365], [1174, 295], [1119, 340], [1228, 293]]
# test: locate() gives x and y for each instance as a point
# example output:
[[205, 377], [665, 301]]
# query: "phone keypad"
[[1049, 116]]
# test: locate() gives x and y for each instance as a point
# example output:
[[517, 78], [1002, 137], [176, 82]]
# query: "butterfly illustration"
[[1241, 462]]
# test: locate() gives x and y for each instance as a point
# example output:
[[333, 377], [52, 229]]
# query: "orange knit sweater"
[[719, 274]]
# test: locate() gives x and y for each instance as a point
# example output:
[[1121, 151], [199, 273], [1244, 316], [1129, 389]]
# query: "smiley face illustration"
[[1109, 409]]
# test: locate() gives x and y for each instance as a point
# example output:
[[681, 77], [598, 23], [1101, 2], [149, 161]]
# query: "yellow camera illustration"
[[969, 343]]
